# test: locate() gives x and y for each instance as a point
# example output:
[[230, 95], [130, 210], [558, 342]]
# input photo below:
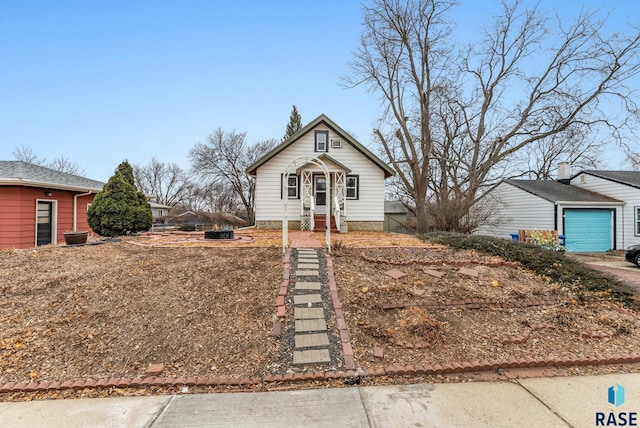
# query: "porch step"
[[320, 223]]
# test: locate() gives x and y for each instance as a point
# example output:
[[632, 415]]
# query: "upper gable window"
[[322, 141]]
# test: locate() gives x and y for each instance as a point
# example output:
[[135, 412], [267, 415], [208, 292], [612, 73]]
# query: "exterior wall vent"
[[336, 144]]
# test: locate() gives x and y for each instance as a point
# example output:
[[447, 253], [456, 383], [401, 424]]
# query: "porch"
[[322, 199]]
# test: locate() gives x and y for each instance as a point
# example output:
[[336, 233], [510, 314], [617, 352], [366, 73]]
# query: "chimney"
[[564, 172]]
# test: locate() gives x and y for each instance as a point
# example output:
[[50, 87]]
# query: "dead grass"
[[207, 308]]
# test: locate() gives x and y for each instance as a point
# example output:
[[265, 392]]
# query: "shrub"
[[120, 209], [552, 264]]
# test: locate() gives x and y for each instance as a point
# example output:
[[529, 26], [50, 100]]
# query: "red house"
[[38, 204]]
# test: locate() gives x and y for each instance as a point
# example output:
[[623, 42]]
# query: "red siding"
[[18, 214]]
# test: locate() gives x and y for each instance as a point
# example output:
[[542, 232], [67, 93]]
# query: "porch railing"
[[336, 212], [312, 211]]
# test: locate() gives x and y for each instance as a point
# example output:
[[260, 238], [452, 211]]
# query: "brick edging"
[[439, 262], [281, 309], [411, 370], [478, 303], [347, 349]]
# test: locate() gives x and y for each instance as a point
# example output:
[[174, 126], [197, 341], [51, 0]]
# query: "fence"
[[393, 225]]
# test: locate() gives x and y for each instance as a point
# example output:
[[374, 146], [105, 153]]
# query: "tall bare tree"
[[454, 116], [223, 160], [166, 182], [62, 163]]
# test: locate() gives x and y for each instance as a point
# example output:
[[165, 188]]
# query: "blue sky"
[[99, 82]]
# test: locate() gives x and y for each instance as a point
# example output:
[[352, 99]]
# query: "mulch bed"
[[109, 311], [504, 313]]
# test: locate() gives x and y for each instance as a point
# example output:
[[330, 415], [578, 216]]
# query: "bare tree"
[[456, 115], [26, 154], [214, 197], [633, 158], [62, 163], [539, 161], [224, 158], [167, 183]]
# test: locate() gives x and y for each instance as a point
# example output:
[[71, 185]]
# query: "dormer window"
[[322, 141]]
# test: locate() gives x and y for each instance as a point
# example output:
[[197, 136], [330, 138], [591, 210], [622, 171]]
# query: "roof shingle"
[[26, 174], [555, 191]]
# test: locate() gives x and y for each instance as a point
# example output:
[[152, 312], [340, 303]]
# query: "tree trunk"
[[422, 219]]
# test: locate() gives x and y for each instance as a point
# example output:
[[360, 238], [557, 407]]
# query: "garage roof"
[[630, 178], [555, 191], [19, 173]]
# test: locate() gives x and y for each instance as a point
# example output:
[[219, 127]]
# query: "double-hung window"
[[322, 141], [292, 187], [352, 186], [637, 220]]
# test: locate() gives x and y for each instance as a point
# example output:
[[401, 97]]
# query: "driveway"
[[614, 265]]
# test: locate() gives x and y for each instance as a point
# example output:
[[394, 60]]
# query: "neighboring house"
[[159, 211], [215, 220], [189, 218], [594, 210], [395, 217], [38, 204], [350, 191]]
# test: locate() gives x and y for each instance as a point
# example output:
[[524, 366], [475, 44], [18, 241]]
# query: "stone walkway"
[[311, 338]]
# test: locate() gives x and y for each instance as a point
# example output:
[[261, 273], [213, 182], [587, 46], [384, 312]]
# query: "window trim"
[[357, 187], [287, 187], [295, 187], [636, 220], [326, 141]]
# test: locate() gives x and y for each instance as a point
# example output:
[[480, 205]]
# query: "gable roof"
[[630, 178], [19, 173], [326, 158], [555, 191], [322, 119], [155, 205]]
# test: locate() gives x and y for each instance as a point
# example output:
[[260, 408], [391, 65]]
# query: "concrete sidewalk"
[[540, 402]]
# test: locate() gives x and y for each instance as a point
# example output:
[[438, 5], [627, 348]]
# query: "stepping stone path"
[[311, 338]]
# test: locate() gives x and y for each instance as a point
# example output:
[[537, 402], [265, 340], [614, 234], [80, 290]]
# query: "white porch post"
[[285, 217], [328, 212]]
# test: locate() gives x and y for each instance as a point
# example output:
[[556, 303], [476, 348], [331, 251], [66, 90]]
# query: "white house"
[[321, 171], [594, 210], [159, 211]]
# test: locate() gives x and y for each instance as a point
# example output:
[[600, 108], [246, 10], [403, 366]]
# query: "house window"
[[352, 187], [292, 187], [322, 141], [637, 222]]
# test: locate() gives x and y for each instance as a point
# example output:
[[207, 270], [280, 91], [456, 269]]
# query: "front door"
[[320, 189], [44, 223]]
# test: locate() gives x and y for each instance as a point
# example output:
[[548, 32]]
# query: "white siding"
[[516, 210], [625, 233], [369, 206]]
